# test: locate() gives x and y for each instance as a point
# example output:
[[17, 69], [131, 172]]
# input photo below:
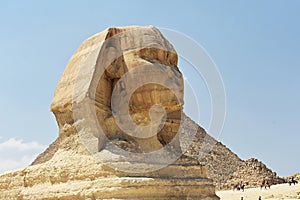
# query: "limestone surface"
[[95, 157]]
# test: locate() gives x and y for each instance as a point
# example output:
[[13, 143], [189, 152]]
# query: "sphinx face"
[[122, 85], [139, 97]]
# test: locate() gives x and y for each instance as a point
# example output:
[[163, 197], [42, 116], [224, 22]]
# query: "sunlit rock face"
[[121, 88], [155, 105]]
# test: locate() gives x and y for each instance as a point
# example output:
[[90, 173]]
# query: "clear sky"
[[255, 44]]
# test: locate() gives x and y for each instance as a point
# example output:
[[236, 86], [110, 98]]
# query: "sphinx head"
[[129, 78]]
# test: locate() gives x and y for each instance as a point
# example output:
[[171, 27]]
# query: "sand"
[[281, 191]]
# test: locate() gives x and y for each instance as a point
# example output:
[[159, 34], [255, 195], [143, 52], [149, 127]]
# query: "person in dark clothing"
[[267, 184], [293, 181], [243, 187], [262, 184]]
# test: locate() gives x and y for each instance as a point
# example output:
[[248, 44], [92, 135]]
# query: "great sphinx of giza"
[[119, 108]]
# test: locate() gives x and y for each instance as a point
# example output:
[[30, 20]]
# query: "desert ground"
[[280, 191]]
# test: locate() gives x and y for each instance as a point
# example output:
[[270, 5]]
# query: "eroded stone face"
[[91, 92], [135, 84]]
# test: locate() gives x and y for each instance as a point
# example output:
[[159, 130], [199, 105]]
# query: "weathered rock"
[[123, 51], [254, 173], [69, 175], [84, 98], [220, 161], [225, 167]]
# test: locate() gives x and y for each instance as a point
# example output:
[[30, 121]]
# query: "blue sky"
[[255, 44]]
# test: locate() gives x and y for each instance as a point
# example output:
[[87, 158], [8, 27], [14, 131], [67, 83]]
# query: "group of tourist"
[[239, 186], [259, 198], [266, 184]]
